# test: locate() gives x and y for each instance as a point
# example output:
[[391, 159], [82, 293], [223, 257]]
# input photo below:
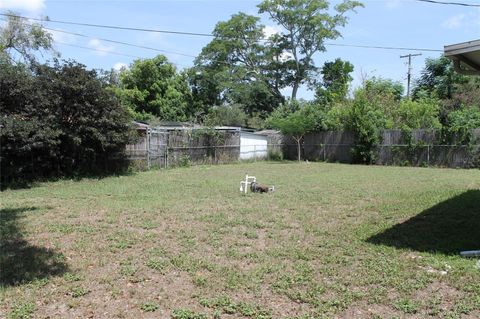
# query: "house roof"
[[465, 56], [141, 126]]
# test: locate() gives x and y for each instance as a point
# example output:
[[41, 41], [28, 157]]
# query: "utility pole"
[[409, 76]]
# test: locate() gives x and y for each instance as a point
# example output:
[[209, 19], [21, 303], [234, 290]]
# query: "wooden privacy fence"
[[422, 148], [203, 147], [163, 148]]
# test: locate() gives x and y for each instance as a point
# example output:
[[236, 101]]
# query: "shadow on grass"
[[21, 262], [448, 227]]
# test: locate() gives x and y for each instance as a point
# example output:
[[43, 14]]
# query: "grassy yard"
[[333, 241]]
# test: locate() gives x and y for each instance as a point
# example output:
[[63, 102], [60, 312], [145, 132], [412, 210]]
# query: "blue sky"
[[393, 23]]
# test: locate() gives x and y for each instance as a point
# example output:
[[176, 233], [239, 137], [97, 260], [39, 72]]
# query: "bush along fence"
[[395, 147], [169, 147]]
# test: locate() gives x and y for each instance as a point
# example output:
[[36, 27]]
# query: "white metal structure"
[[250, 182], [252, 145], [245, 185]]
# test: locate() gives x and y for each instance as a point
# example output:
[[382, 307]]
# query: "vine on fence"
[[411, 149]]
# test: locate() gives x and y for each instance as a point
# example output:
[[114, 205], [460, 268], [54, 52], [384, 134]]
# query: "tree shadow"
[[21, 262], [448, 227]]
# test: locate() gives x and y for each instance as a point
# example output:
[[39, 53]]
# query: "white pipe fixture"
[[250, 182], [244, 185]]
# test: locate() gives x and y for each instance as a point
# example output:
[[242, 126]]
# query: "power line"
[[111, 41], [451, 3], [99, 50], [211, 35], [192, 56], [111, 26], [382, 47], [110, 52], [119, 42]]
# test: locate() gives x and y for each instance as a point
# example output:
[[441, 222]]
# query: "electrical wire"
[[119, 42], [451, 3], [112, 52], [203, 34], [383, 47], [110, 26], [99, 50], [111, 41]]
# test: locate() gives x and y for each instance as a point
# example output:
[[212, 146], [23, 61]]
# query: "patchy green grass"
[[332, 241]]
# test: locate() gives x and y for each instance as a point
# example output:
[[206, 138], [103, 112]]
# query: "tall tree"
[[20, 40], [236, 67], [307, 24], [455, 91], [437, 78], [335, 81], [152, 87]]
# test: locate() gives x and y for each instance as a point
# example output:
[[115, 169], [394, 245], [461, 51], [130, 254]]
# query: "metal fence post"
[[166, 156], [428, 155], [148, 148]]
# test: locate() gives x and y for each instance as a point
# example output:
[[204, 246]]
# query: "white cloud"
[[270, 30], [102, 49], [28, 5], [454, 22], [119, 66]]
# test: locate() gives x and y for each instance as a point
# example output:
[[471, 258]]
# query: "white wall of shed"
[[252, 146]]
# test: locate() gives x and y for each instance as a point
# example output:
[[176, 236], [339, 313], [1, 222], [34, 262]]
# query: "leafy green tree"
[[461, 122], [229, 115], [380, 89], [437, 79], [152, 87], [365, 120], [466, 94], [421, 114], [336, 117], [307, 24], [296, 120], [241, 66], [58, 120], [454, 91], [335, 81], [236, 67], [21, 40], [28, 140], [93, 123]]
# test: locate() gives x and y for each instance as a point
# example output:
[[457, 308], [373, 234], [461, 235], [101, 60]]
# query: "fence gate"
[[157, 154]]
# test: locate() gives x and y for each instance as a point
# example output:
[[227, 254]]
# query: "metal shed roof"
[[465, 56]]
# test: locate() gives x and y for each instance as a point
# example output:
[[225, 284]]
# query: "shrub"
[[274, 154], [365, 121], [461, 122], [58, 120]]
